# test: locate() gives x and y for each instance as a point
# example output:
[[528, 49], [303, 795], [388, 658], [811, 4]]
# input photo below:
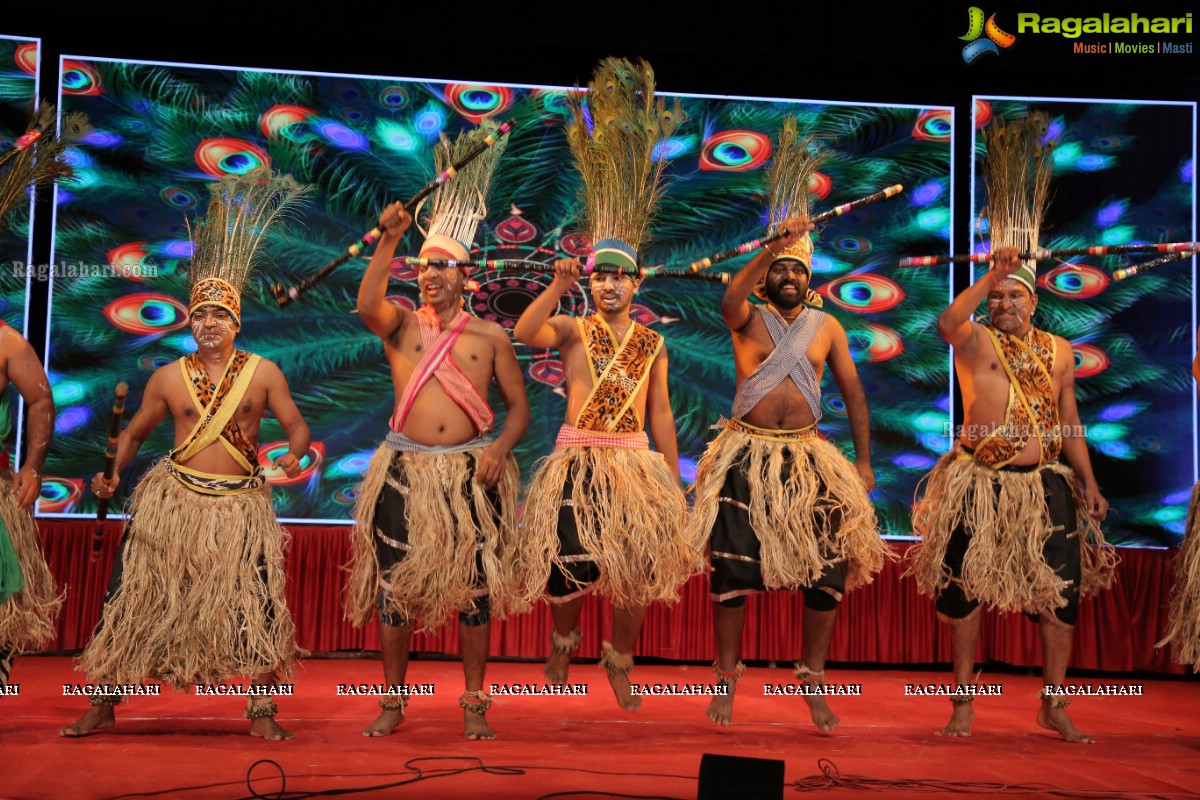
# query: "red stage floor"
[[162, 747]]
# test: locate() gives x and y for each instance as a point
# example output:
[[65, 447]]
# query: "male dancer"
[[1183, 621], [1003, 521], [197, 593], [783, 508], [28, 603], [604, 513], [605, 510], [436, 515]]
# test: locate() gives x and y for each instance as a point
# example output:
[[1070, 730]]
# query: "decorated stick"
[[837, 211], [110, 465], [285, 297], [524, 265], [1046, 255], [1145, 266], [667, 272]]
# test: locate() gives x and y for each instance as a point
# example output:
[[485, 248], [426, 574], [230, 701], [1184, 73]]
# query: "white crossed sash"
[[788, 360]]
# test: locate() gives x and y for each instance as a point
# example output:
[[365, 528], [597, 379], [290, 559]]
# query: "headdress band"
[[216, 292]]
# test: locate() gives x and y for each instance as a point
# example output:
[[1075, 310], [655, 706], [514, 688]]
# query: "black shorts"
[[391, 544], [735, 549], [1061, 552], [578, 570]]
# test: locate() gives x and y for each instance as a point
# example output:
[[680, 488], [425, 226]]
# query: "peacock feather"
[[614, 134]]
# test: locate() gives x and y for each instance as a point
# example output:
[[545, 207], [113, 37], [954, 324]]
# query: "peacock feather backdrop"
[[1122, 174], [162, 131], [18, 93]]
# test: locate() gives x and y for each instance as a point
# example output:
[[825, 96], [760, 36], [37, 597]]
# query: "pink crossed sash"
[[436, 363]]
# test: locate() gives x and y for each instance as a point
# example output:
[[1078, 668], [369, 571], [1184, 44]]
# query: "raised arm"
[[281, 404], [26, 373], [660, 420], [1074, 442], [536, 327], [153, 410], [735, 305], [845, 374], [511, 383], [380, 316], [955, 325]]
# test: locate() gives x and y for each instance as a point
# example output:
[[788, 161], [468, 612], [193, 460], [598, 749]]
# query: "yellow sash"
[[216, 414]]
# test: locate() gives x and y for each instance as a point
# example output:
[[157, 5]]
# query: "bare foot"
[[96, 718], [1056, 719], [720, 710], [475, 727], [557, 666], [622, 688], [387, 721], [960, 721], [267, 728], [822, 717]]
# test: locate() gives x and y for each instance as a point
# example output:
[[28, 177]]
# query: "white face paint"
[[440, 285], [212, 327], [1011, 307], [613, 293]]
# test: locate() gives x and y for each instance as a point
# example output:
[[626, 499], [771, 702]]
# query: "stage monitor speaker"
[[737, 778]]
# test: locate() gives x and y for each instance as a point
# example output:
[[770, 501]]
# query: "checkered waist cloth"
[[570, 436]]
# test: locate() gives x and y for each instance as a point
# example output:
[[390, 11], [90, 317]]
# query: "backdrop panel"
[[18, 92], [164, 131], [1123, 174]]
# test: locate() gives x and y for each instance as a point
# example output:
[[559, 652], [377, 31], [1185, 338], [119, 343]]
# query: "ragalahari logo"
[[976, 28]]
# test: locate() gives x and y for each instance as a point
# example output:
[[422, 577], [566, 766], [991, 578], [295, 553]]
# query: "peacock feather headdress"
[[788, 186], [1018, 166], [614, 134], [226, 240], [36, 158], [460, 205]]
